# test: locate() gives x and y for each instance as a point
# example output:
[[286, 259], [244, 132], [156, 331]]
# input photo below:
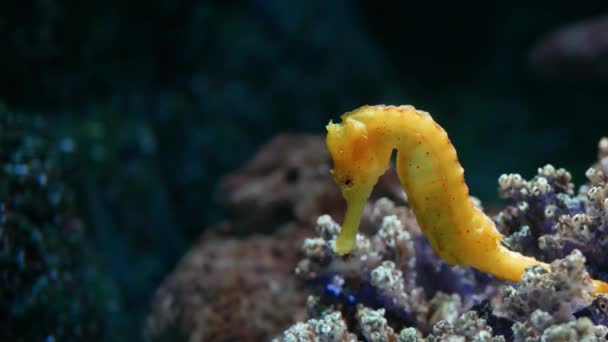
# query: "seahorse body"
[[433, 179]]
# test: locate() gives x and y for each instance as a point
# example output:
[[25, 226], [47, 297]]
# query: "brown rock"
[[227, 289], [237, 285]]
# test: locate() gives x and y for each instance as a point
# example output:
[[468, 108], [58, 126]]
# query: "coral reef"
[[210, 81], [175, 94], [394, 269], [236, 282], [541, 327], [407, 293], [392, 287], [49, 274], [330, 328], [559, 293], [468, 327], [545, 218]]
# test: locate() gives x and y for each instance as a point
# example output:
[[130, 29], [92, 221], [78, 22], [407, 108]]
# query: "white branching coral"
[[468, 327], [561, 292], [330, 328], [397, 284], [373, 326]]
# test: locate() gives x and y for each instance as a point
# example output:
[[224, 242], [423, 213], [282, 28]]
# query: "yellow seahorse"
[[431, 175]]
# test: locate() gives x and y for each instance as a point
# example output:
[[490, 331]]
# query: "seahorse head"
[[358, 162]]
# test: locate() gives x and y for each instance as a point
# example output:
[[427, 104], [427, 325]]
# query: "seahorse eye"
[[348, 182]]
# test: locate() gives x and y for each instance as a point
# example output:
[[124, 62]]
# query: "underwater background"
[[119, 118]]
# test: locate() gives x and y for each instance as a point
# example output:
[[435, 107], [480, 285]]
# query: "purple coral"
[[561, 292], [597, 311], [542, 304], [393, 280], [535, 204], [362, 277], [385, 271], [544, 218]]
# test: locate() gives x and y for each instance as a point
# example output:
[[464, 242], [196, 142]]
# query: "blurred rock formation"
[[236, 282]]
